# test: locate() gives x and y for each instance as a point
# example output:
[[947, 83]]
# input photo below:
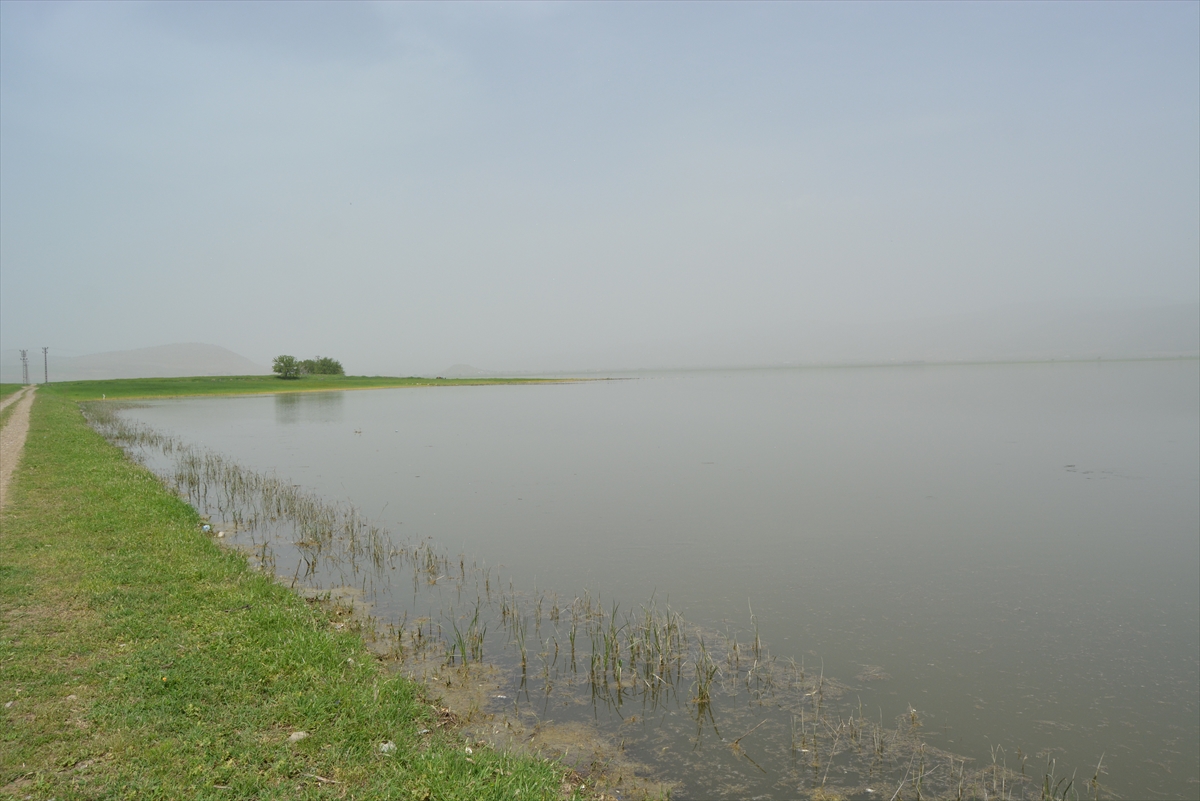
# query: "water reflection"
[[309, 407]]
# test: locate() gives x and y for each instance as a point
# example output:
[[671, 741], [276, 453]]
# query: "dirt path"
[[12, 436], [16, 396]]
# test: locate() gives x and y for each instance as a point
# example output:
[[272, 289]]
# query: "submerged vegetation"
[[139, 659], [663, 703]]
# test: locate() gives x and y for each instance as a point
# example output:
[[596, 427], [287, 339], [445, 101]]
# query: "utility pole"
[[24, 368], [46, 363]]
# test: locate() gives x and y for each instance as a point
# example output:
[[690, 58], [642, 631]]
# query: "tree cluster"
[[291, 367]]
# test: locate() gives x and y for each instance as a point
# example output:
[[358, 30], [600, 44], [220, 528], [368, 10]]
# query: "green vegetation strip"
[[124, 388], [137, 659], [8, 389]]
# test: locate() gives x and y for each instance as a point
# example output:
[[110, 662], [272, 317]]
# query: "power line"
[[46, 363], [25, 368]]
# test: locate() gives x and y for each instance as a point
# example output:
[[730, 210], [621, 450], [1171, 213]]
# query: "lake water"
[[1010, 553]]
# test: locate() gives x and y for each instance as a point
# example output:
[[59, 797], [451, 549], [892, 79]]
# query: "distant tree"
[[286, 367], [322, 365]]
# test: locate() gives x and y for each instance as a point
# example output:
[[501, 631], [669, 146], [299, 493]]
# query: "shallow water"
[[1012, 551]]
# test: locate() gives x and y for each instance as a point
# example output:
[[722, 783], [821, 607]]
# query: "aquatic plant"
[[627, 664]]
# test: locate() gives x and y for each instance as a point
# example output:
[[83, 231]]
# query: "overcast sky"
[[407, 186]]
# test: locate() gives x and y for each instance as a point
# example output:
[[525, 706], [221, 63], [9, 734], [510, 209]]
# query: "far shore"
[[143, 388]]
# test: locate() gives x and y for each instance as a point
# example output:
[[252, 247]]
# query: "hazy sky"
[[406, 186]]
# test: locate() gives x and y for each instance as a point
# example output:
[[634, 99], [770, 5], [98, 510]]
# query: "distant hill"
[[191, 358]]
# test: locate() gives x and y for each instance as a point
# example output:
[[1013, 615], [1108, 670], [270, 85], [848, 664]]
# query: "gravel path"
[[12, 437]]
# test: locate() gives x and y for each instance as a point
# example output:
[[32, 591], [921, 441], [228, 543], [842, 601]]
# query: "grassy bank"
[[122, 388], [8, 389], [139, 660]]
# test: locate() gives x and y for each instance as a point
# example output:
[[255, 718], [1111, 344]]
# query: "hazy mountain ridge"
[[183, 359]]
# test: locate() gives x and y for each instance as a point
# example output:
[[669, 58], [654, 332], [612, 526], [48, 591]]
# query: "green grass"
[[137, 659], [255, 384], [8, 389]]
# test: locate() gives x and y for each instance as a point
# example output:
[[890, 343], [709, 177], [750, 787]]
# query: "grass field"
[[137, 659], [8, 389], [255, 384]]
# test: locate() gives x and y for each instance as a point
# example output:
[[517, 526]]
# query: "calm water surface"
[[1015, 547]]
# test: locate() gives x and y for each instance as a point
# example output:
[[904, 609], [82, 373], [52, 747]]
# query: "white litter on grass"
[[297, 736], [387, 748]]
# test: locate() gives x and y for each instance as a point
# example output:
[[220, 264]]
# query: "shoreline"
[[139, 655], [231, 386]]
